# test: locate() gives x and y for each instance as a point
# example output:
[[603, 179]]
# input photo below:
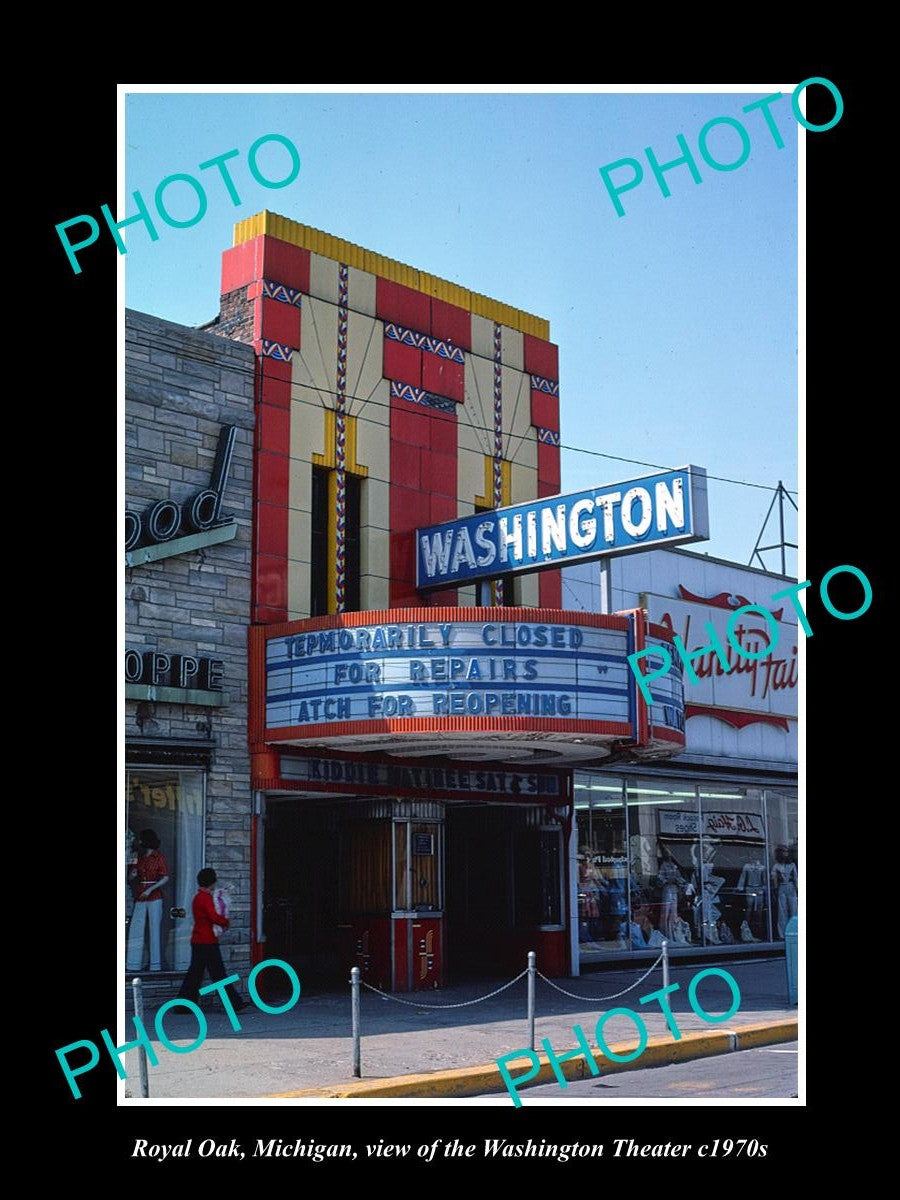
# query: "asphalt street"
[[766, 1071]]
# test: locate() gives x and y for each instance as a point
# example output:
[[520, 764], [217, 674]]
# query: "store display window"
[[602, 864], [663, 852], [698, 864], [163, 853], [781, 814]]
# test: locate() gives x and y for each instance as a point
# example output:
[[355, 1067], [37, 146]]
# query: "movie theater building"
[[189, 420], [700, 850], [413, 729]]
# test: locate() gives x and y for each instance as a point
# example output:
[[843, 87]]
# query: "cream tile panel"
[[482, 336], [529, 591], [375, 551], [512, 348], [378, 407], [298, 590], [316, 364], [299, 535], [307, 429], [524, 484], [516, 401], [376, 508], [522, 451], [323, 278], [300, 485], [365, 358], [362, 291], [470, 476], [467, 596], [375, 592], [373, 445]]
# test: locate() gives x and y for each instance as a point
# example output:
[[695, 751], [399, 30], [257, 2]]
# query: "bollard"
[[354, 1010], [665, 963], [791, 941], [532, 967], [137, 988]]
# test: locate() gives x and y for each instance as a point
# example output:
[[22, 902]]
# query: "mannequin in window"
[[752, 883], [784, 884], [706, 885], [152, 876], [671, 881]]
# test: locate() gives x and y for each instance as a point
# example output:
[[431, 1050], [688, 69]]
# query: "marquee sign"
[[556, 683], [669, 508]]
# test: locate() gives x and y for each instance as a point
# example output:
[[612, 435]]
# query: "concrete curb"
[[474, 1081]]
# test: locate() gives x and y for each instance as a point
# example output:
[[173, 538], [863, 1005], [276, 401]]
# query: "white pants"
[[149, 911]]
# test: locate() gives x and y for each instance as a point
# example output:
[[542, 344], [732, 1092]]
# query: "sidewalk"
[[309, 1047]]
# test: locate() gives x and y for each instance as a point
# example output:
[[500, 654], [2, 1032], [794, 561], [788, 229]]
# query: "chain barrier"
[[461, 1004], [614, 996]]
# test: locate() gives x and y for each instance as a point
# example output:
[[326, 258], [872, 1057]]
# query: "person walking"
[[205, 952]]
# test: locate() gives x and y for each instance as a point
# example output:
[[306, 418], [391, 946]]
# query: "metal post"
[[137, 988], [532, 967], [354, 1009], [665, 963]]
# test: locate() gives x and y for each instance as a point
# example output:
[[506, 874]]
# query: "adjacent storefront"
[[189, 434], [703, 851]]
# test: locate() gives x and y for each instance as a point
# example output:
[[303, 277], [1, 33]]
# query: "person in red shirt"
[[205, 952]]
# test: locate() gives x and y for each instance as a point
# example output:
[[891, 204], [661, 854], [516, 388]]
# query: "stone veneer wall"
[[181, 387]]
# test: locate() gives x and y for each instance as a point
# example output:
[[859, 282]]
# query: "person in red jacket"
[[205, 952]]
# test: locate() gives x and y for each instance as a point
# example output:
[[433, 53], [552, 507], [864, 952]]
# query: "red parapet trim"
[[256, 678], [477, 615], [659, 631], [412, 725], [668, 735], [723, 600], [737, 718]]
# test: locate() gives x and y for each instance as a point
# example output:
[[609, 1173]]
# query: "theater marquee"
[[505, 683]]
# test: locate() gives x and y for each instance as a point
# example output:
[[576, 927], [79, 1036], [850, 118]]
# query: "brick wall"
[[181, 387]]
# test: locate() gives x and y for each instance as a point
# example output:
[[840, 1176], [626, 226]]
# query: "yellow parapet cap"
[[329, 246]]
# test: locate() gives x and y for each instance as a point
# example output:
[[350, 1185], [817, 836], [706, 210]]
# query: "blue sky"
[[676, 323]]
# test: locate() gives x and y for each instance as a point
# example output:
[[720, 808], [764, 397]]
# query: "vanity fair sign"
[[668, 508], [500, 675]]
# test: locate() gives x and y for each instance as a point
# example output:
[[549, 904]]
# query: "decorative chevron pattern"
[[444, 349], [417, 395], [276, 350], [550, 436], [545, 385], [340, 434], [280, 291], [498, 438]]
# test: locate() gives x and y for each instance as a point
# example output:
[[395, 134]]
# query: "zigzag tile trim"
[[550, 436], [444, 349], [280, 291], [417, 395], [545, 385], [276, 350]]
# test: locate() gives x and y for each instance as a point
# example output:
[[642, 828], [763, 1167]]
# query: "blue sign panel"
[[639, 514]]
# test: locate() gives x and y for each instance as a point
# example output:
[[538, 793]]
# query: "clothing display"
[[784, 881], [747, 933], [681, 932], [672, 884], [752, 883], [151, 867], [149, 913]]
